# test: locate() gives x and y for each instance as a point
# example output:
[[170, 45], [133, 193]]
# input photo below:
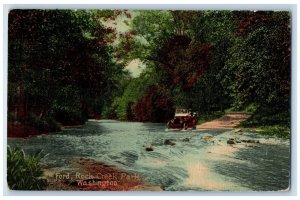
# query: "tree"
[[124, 104], [154, 106], [58, 65], [217, 29], [258, 70], [171, 46]]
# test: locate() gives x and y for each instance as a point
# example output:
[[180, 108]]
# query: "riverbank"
[[278, 125], [17, 130]]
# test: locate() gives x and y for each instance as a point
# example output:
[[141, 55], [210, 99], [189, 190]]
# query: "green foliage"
[[58, 65], [265, 118], [153, 28], [251, 108], [68, 116], [208, 94], [47, 124], [62, 66], [270, 122], [24, 172], [216, 27], [276, 130], [66, 107], [53, 125], [246, 66], [148, 31], [36, 122], [133, 92], [11, 117], [258, 68], [178, 44]]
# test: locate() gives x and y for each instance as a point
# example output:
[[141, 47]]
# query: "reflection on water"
[[193, 164]]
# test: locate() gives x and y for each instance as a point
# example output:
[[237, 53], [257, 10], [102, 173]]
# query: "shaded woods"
[[60, 70], [67, 66]]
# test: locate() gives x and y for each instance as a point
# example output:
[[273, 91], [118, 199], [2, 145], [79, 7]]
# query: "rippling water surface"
[[197, 164]]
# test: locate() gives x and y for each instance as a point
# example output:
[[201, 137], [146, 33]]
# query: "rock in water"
[[230, 141], [251, 141], [149, 148], [207, 138], [238, 141], [186, 139], [169, 142]]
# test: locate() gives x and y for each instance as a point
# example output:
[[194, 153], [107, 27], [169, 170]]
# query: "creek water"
[[193, 164]]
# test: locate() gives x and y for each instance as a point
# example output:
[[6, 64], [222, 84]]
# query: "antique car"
[[183, 119]]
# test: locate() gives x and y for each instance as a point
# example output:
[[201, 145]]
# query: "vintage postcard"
[[149, 100]]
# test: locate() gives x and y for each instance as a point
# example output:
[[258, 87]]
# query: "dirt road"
[[227, 121]]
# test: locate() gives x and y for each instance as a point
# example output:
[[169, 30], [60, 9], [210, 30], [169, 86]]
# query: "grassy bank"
[[269, 124], [275, 130]]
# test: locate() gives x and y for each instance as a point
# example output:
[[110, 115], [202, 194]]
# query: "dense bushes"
[[32, 125], [123, 105], [24, 172], [151, 106], [266, 118], [46, 124], [258, 68], [154, 106], [68, 116]]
